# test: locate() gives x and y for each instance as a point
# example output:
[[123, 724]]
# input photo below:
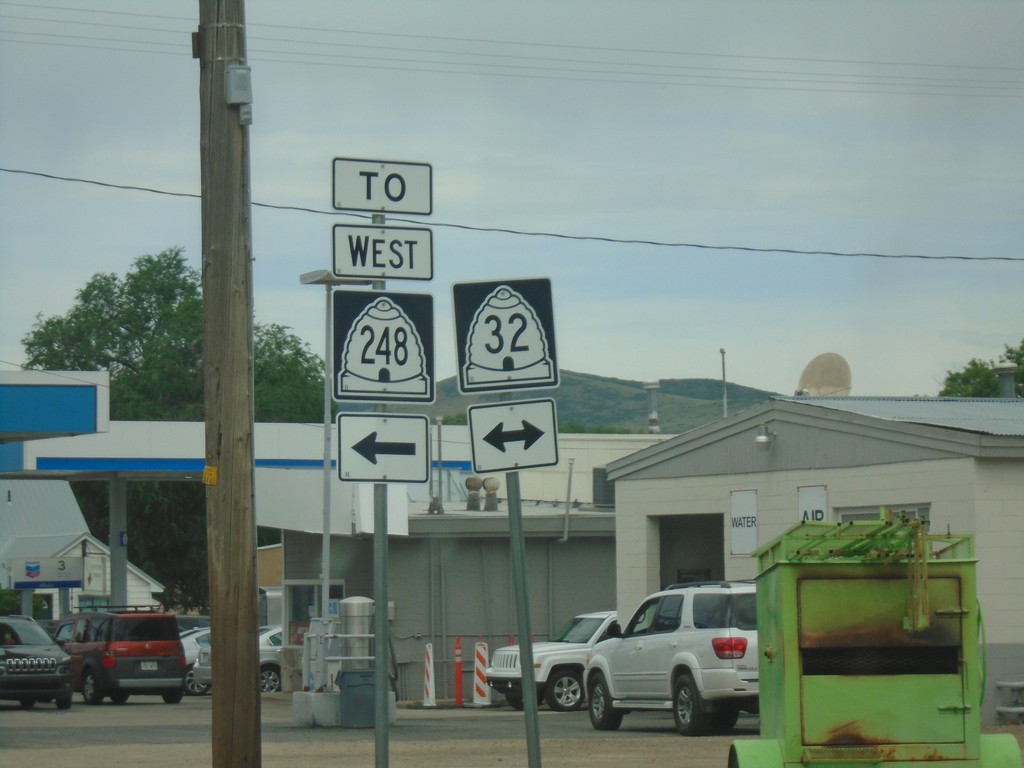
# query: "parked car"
[[193, 641], [187, 621], [557, 664], [32, 666], [118, 653], [691, 649], [270, 642]]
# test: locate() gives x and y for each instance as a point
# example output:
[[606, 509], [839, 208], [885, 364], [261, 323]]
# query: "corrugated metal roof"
[[39, 508], [987, 416], [40, 546]]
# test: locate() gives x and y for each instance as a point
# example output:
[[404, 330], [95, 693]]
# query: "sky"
[[691, 176]]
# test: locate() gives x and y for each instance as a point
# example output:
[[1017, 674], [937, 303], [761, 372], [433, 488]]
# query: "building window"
[[904, 511]]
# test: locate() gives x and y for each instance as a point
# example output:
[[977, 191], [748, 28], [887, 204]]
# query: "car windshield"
[[24, 634], [577, 630]]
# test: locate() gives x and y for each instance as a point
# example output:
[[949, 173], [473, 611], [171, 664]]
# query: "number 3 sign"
[[505, 335], [383, 346]]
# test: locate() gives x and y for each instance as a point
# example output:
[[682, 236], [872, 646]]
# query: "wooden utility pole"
[[225, 111]]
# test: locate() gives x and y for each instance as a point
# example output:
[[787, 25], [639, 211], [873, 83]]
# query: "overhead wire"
[[529, 233], [665, 74], [517, 65]]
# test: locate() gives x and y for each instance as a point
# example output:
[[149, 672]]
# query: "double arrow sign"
[[506, 438], [499, 438]]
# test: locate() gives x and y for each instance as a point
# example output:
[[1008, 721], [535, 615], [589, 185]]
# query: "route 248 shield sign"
[[383, 344]]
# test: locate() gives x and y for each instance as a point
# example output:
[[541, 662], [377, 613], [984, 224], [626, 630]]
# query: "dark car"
[[32, 666], [119, 653]]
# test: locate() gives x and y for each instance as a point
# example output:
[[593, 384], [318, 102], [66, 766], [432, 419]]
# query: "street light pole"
[[328, 280]]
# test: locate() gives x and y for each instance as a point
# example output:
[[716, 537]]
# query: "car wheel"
[[91, 692], [514, 700], [602, 715], [565, 691], [64, 702], [270, 679], [174, 697], [686, 707], [27, 703], [193, 687], [120, 697]]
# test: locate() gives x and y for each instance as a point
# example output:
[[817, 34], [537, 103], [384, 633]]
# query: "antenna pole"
[[725, 391]]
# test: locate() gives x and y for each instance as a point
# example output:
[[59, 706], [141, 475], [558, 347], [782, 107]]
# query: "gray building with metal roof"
[[699, 504]]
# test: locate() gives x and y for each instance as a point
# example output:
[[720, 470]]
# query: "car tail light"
[[109, 660], [729, 647]]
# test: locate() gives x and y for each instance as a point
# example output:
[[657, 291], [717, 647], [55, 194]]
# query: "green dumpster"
[[869, 634]]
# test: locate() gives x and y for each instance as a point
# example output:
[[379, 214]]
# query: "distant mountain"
[[594, 402]]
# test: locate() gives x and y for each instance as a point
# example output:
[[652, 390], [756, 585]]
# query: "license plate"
[[148, 666]]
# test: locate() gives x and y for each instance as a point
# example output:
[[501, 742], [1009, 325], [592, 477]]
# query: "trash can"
[[357, 698]]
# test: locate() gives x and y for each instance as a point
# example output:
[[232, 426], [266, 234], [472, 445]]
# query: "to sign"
[[382, 186], [387, 448], [383, 252], [505, 335], [511, 436], [383, 346]]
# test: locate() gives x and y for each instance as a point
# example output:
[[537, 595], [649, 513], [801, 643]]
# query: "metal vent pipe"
[[652, 407], [1007, 373]]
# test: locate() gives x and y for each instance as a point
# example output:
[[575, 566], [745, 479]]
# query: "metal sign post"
[[518, 555], [383, 351], [380, 623], [505, 340]]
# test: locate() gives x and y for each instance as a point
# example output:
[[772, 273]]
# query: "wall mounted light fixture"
[[762, 440]]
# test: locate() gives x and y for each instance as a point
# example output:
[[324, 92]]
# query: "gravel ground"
[[158, 736]]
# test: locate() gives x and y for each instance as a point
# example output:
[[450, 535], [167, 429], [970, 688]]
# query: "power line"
[[508, 65], [561, 46], [527, 233]]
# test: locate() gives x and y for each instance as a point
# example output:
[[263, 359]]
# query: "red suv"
[[120, 652]]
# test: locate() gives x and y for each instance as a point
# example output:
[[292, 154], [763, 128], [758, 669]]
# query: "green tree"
[[147, 331], [979, 379], [289, 377], [10, 603]]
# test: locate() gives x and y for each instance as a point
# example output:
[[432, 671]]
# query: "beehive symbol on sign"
[[506, 343], [383, 353]]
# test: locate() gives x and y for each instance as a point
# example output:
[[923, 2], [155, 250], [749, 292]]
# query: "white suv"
[[558, 663], [691, 649]]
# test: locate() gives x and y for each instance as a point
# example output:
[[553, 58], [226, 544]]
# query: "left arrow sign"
[[370, 448], [390, 448]]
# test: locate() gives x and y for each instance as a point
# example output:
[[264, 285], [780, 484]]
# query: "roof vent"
[[1007, 373]]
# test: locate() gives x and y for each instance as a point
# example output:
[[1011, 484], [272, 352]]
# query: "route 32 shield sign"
[[505, 335]]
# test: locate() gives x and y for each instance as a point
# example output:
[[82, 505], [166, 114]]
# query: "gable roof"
[[39, 508], [41, 518], [988, 416], [818, 432]]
